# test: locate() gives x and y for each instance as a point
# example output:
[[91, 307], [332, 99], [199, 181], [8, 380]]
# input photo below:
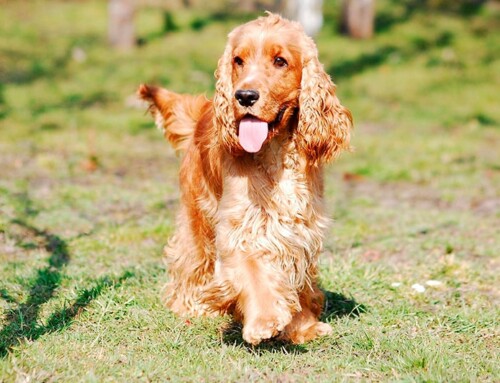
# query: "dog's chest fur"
[[271, 208]]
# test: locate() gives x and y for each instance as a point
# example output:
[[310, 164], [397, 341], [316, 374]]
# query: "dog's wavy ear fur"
[[324, 124], [223, 106]]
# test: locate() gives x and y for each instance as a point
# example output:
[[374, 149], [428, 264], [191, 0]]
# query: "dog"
[[251, 221]]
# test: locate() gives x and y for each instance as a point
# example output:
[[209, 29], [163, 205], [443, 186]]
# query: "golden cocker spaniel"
[[251, 221]]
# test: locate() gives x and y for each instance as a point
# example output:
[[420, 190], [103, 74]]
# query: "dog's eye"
[[238, 61], [280, 62]]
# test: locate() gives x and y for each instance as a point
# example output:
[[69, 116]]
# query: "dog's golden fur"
[[250, 225]]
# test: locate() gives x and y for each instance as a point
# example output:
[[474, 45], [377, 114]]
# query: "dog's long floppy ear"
[[324, 125], [223, 103]]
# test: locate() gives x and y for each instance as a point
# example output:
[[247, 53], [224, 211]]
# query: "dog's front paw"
[[260, 329], [304, 334], [323, 329]]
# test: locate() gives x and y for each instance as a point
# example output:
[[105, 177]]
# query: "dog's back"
[[175, 114]]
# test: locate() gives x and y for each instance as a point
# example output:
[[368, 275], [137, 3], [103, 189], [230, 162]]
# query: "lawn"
[[89, 190]]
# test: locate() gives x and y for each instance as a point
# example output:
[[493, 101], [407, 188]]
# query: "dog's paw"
[[307, 333], [261, 329], [322, 329]]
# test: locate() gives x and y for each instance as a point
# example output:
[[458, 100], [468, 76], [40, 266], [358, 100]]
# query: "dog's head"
[[269, 79]]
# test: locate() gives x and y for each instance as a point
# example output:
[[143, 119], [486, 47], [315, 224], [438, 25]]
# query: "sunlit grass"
[[88, 194]]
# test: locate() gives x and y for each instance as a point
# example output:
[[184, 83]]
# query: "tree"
[[121, 31], [358, 18], [307, 12]]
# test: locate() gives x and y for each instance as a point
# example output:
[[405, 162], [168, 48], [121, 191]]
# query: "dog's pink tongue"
[[253, 133]]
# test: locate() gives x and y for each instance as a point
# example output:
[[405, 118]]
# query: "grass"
[[88, 194]]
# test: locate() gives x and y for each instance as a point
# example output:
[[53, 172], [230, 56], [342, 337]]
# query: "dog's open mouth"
[[253, 132]]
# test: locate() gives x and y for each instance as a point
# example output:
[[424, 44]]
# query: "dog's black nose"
[[247, 97]]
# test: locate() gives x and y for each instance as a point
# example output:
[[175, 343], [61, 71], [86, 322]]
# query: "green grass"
[[88, 194]]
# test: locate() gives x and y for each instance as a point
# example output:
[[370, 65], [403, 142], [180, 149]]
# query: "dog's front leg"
[[264, 303]]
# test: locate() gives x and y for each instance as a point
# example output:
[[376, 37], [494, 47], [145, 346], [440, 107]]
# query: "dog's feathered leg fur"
[[190, 253], [176, 115]]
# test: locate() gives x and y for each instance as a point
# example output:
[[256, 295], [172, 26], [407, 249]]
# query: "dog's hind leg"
[[189, 257]]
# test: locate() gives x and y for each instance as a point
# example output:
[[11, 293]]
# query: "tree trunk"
[[309, 13], [121, 32], [358, 18], [247, 5]]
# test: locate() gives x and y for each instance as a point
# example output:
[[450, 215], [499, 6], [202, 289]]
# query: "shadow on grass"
[[366, 61], [464, 8], [336, 306], [231, 335], [384, 20], [22, 323], [197, 23], [25, 66], [75, 101], [34, 70], [389, 16]]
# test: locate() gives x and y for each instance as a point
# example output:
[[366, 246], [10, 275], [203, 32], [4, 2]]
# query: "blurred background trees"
[[121, 30], [358, 17], [308, 12]]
